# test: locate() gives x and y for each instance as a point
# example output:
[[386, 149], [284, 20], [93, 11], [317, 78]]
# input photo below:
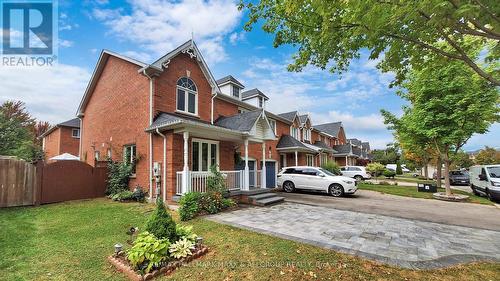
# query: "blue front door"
[[270, 174]]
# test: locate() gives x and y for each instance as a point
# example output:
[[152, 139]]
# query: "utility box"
[[427, 187]]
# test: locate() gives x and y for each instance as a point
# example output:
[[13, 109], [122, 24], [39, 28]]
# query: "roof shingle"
[[330, 128]]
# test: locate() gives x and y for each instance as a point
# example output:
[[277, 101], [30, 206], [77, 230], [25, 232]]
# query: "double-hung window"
[[187, 96], [75, 133], [273, 125], [205, 154], [307, 134], [129, 155], [236, 92], [294, 132]]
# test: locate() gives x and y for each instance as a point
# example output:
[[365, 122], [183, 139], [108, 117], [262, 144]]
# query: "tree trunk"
[[447, 163], [426, 170], [438, 172]]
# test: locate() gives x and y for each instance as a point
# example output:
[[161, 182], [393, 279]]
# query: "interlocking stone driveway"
[[402, 242]]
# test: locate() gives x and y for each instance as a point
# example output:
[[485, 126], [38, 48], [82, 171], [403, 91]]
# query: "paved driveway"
[[366, 201], [403, 242]]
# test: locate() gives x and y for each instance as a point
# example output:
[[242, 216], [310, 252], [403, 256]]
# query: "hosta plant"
[[186, 231], [181, 249], [148, 251]]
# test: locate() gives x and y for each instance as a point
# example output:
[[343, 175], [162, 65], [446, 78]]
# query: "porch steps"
[[265, 199]]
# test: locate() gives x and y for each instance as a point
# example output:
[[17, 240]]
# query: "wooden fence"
[[22, 183], [17, 183]]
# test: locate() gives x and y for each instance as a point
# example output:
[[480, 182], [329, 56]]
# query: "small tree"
[[332, 167], [375, 169], [462, 160], [161, 224], [488, 156], [399, 169], [118, 177], [216, 182]]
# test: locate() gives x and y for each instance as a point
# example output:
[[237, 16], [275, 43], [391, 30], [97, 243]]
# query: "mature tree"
[[488, 156], [449, 103], [390, 155], [462, 160], [17, 137], [399, 32]]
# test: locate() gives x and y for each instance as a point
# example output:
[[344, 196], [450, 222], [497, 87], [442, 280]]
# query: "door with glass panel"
[[204, 155]]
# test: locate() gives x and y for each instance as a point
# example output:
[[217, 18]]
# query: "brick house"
[[173, 120], [62, 138]]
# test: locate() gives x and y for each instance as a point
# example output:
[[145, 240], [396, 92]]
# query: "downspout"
[[150, 135], [80, 139], [164, 164], [212, 113]]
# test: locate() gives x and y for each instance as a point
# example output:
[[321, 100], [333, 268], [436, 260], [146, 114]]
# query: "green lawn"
[[410, 191], [70, 241]]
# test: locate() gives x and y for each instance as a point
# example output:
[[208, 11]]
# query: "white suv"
[[314, 178], [357, 172]]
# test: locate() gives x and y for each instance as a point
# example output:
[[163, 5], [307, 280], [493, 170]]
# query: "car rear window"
[[293, 171]]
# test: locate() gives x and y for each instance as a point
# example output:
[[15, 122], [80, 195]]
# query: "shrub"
[[216, 182], [161, 224], [195, 203], [384, 183], [139, 195], [123, 196], [332, 167], [186, 232], [118, 177], [399, 169], [375, 168], [181, 249], [389, 174], [147, 252], [189, 205]]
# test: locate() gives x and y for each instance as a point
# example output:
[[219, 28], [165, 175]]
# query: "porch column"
[[247, 172], [347, 164], [263, 176], [296, 158], [185, 170]]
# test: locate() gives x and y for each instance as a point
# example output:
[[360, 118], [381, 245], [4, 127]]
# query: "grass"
[[410, 191], [70, 241]]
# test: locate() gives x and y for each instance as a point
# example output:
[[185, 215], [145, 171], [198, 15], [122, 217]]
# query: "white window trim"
[[271, 121], [186, 100], [209, 142], [78, 135], [311, 158], [134, 146]]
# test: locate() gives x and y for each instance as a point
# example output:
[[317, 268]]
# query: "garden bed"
[[121, 263]]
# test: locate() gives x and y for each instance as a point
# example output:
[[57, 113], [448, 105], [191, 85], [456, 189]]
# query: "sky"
[[147, 29]]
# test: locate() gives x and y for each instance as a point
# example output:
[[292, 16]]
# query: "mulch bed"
[[122, 265]]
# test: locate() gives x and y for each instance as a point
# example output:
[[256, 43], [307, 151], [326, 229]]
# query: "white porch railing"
[[197, 181]]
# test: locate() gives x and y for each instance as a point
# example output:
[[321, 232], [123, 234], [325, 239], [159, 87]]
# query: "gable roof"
[[330, 128], [252, 93], [288, 115], [343, 148], [227, 79], [164, 119], [101, 62], [72, 123], [240, 122], [366, 145], [287, 141], [355, 141], [190, 48], [324, 146]]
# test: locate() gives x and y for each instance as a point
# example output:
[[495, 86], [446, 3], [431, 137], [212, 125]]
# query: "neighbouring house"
[[172, 121], [62, 138]]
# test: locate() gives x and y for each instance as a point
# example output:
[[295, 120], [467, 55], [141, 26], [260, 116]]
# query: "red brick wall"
[[224, 108], [69, 144], [165, 96], [116, 115], [52, 142]]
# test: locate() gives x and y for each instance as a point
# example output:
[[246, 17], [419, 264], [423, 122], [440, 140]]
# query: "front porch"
[[235, 180]]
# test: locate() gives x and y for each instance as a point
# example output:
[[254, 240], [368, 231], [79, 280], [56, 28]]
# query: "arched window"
[[187, 96]]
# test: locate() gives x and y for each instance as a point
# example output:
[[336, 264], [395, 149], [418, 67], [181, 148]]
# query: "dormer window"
[[236, 92], [261, 102], [187, 96]]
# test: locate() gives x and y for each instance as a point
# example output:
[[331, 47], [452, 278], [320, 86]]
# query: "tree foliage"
[[375, 169], [449, 103], [18, 132], [488, 156], [399, 33], [462, 160]]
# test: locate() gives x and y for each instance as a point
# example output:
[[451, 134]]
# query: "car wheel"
[[358, 178], [288, 186], [336, 190], [474, 191], [488, 194]]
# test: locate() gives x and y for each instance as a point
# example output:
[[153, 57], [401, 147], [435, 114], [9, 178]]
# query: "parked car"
[[459, 177], [314, 178], [357, 172], [393, 167], [485, 180]]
